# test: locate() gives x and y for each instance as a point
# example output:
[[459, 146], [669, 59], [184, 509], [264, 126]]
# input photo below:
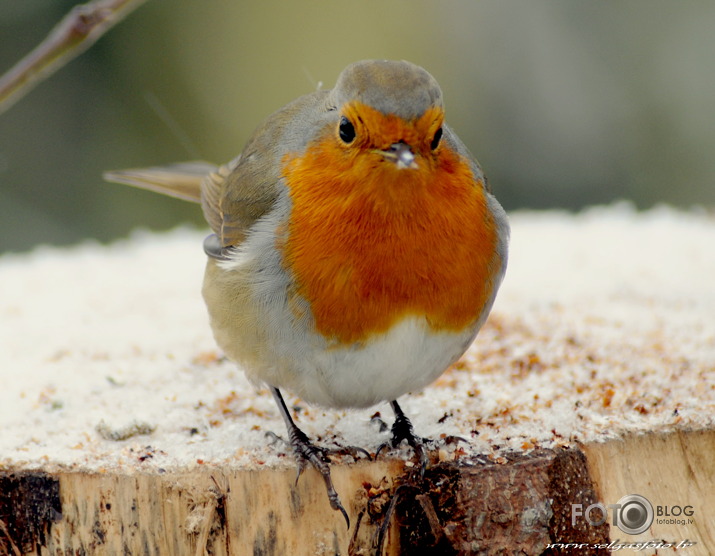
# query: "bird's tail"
[[182, 181]]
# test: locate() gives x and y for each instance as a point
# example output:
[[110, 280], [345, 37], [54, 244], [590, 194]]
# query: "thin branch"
[[74, 34]]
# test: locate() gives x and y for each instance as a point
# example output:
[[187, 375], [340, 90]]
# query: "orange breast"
[[369, 244]]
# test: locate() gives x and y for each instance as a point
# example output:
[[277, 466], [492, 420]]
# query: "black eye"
[[436, 139], [346, 130]]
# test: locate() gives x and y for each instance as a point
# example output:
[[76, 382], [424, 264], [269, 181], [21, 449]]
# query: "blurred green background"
[[565, 103]]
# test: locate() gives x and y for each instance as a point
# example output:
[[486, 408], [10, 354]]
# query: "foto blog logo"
[[633, 514]]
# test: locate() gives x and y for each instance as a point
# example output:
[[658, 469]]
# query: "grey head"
[[391, 87]]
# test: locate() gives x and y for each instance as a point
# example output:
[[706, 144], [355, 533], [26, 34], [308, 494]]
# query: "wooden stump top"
[[596, 370]]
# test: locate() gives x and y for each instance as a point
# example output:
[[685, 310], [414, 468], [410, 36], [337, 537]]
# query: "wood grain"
[[674, 469], [459, 507]]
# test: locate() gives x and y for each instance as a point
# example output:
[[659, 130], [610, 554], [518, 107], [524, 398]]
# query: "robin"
[[357, 248]]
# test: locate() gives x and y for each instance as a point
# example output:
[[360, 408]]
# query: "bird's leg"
[[402, 430], [306, 452]]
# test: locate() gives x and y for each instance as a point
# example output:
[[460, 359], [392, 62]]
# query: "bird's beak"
[[401, 154]]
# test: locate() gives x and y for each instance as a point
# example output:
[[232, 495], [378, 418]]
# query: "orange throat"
[[369, 244]]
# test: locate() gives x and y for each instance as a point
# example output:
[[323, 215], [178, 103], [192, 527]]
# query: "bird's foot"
[[356, 452], [308, 453], [402, 430]]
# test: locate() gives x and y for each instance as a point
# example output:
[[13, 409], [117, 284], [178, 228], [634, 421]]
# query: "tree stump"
[[589, 387]]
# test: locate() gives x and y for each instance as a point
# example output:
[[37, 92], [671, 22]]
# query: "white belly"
[[409, 357]]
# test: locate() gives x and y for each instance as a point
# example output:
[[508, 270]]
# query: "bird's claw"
[[452, 439], [307, 453], [402, 431], [355, 451]]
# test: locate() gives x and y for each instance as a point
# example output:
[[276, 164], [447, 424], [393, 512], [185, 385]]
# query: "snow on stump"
[[592, 385]]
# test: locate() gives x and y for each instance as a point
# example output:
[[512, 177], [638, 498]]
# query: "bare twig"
[[74, 34]]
